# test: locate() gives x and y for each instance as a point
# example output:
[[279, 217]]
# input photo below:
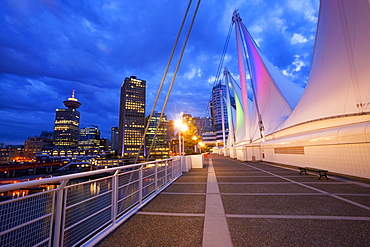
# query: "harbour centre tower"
[[66, 125]]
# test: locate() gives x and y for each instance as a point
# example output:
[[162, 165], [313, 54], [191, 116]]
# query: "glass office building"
[[131, 117]]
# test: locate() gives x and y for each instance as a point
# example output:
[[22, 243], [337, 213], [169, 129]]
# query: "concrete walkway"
[[232, 203]]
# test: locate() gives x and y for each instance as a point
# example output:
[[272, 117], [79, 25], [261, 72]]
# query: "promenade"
[[232, 203]]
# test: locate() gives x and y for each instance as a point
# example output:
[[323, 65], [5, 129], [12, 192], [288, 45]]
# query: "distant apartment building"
[[33, 145], [66, 125], [11, 153], [131, 117], [160, 147]]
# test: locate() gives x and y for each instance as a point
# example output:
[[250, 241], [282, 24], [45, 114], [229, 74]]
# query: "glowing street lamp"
[[201, 144], [195, 146], [182, 128]]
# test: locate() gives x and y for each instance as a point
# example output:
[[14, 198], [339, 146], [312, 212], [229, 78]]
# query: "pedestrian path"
[[232, 203], [215, 231]]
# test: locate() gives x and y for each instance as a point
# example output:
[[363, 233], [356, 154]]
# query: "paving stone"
[[364, 200], [152, 230], [290, 205], [187, 188], [249, 179], [191, 179], [298, 232], [177, 204], [308, 178], [264, 188], [204, 174], [342, 188], [236, 174], [284, 200]]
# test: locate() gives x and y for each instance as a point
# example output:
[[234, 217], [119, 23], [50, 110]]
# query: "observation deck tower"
[[72, 103]]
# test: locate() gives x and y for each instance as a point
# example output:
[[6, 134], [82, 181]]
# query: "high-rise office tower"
[[131, 117], [66, 124], [114, 137], [160, 148], [208, 131], [219, 111], [170, 129], [89, 137]]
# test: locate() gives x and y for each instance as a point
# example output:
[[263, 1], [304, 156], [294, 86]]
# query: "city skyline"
[[49, 49]]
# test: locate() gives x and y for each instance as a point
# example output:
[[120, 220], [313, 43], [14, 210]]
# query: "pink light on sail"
[[243, 78], [275, 95]]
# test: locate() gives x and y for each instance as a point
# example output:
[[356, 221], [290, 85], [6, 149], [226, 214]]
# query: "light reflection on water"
[[27, 191], [101, 185]]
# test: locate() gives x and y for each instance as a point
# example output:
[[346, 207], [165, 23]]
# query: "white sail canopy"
[[274, 94], [339, 81]]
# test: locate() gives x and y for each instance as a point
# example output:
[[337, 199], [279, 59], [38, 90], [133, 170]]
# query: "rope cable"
[[175, 74], [162, 82], [219, 68]]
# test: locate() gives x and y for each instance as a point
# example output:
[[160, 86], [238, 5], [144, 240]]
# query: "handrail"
[[16, 186], [84, 212]]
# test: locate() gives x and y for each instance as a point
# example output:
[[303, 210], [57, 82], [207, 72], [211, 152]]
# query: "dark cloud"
[[49, 48]]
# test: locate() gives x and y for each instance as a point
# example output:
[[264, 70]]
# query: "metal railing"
[[85, 207]]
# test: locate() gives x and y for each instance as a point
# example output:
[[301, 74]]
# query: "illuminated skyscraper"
[[66, 124], [114, 138], [219, 111], [89, 137], [160, 148], [131, 117]]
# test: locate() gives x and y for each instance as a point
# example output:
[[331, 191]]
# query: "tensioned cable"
[[260, 121], [174, 76], [162, 82], [219, 68], [223, 53]]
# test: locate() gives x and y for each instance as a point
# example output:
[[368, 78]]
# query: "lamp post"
[[182, 129], [180, 143], [195, 146], [201, 144]]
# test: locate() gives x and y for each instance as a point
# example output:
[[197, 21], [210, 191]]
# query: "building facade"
[[160, 147], [66, 125], [219, 112], [114, 137], [33, 145], [89, 137], [207, 131], [11, 153], [131, 117]]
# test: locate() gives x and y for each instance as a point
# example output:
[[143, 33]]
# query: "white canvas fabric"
[[275, 95], [339, 80]]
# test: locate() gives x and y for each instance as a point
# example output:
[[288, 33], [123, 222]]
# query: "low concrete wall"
[[185, 163], [343, 149], [197, 161], [233, 152], [192, 161], [241, 153]]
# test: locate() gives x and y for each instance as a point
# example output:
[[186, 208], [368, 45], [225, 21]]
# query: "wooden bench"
[[321, 172]]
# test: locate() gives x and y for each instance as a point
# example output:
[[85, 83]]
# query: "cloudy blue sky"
[[50, 47]]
